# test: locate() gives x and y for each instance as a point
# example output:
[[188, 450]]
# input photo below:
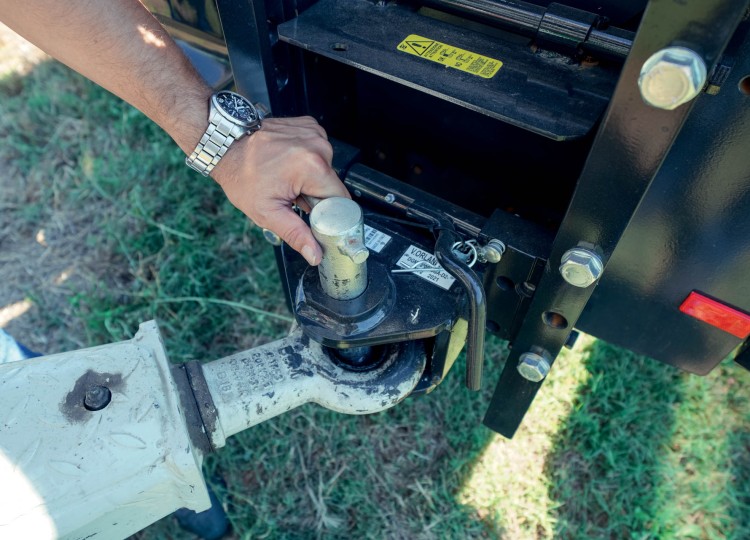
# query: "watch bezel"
[[250, 123]]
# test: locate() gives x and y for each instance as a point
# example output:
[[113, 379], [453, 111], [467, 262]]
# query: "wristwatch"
[[230, 117]]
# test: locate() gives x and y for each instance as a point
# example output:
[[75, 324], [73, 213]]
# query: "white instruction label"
[[419, 258], [375, 240]]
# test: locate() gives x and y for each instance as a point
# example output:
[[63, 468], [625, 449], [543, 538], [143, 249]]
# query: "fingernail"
[[309, 255]]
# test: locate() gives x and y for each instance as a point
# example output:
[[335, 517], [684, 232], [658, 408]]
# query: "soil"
[[46, 256]]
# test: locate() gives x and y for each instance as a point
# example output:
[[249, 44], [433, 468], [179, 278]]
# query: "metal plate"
[[690, 233], [628, 153], [543, 92]]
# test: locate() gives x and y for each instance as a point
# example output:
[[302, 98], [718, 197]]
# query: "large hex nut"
[[533, 367], [581, 267], [672, 77]]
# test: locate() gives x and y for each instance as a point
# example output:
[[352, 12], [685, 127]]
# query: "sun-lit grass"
[[508, 480], [615, 446]]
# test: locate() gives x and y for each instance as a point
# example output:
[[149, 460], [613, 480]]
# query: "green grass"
[[615, 446]]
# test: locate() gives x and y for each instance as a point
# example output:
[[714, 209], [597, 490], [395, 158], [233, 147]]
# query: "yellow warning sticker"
[[450, 56]]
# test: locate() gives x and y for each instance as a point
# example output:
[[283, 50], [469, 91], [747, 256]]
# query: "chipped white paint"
[[73, 473], [66, 472], [251, 387]]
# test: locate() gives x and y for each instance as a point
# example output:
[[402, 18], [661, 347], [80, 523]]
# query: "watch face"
[[237, 107]]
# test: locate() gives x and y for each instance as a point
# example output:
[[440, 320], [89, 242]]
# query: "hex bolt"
[[271, 237], [338, 226], [581, 267], [493, 251], [672, 77], [96, 397], [533, 367], [390, 198]]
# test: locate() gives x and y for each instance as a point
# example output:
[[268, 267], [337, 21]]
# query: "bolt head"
[[493, 251], [672, 77], [581, 267], [96, 397], [533, 367]]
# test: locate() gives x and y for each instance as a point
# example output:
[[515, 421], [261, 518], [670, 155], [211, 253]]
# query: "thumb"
[[295, 232]]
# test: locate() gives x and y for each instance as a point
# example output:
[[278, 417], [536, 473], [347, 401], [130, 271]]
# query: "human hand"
[[265, 173]]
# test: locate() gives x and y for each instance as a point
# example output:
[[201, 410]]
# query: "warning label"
[[375, 240], [425, 265], [450, 56]]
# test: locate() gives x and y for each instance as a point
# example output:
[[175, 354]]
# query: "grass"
[[615, 446]]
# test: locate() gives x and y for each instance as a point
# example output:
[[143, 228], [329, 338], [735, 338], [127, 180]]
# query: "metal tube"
[[477, 306], [517, 16], [527, 19], [472, 285], [338, 226], [613, 41]]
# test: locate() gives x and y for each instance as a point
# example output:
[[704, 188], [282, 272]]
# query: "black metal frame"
[[631, 145]]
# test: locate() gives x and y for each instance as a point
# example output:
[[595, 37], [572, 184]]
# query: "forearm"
[[119, 45]]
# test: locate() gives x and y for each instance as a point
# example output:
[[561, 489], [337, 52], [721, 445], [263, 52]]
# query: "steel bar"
[[564, 25]]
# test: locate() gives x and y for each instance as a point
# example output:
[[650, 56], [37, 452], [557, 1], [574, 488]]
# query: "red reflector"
[[717, 314]]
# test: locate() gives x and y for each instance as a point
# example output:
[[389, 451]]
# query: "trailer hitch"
[[72, 468], [245, 389], [382, 283], [120, 420]]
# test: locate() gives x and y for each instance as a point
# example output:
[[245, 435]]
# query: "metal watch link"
[[230, 117]]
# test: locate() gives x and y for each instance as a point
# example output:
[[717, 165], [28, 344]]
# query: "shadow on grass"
[[605, 465]]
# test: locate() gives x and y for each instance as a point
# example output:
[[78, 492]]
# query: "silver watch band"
[[219, 135]]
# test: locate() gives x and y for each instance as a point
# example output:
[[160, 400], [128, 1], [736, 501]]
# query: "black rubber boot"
[[210, 524]]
